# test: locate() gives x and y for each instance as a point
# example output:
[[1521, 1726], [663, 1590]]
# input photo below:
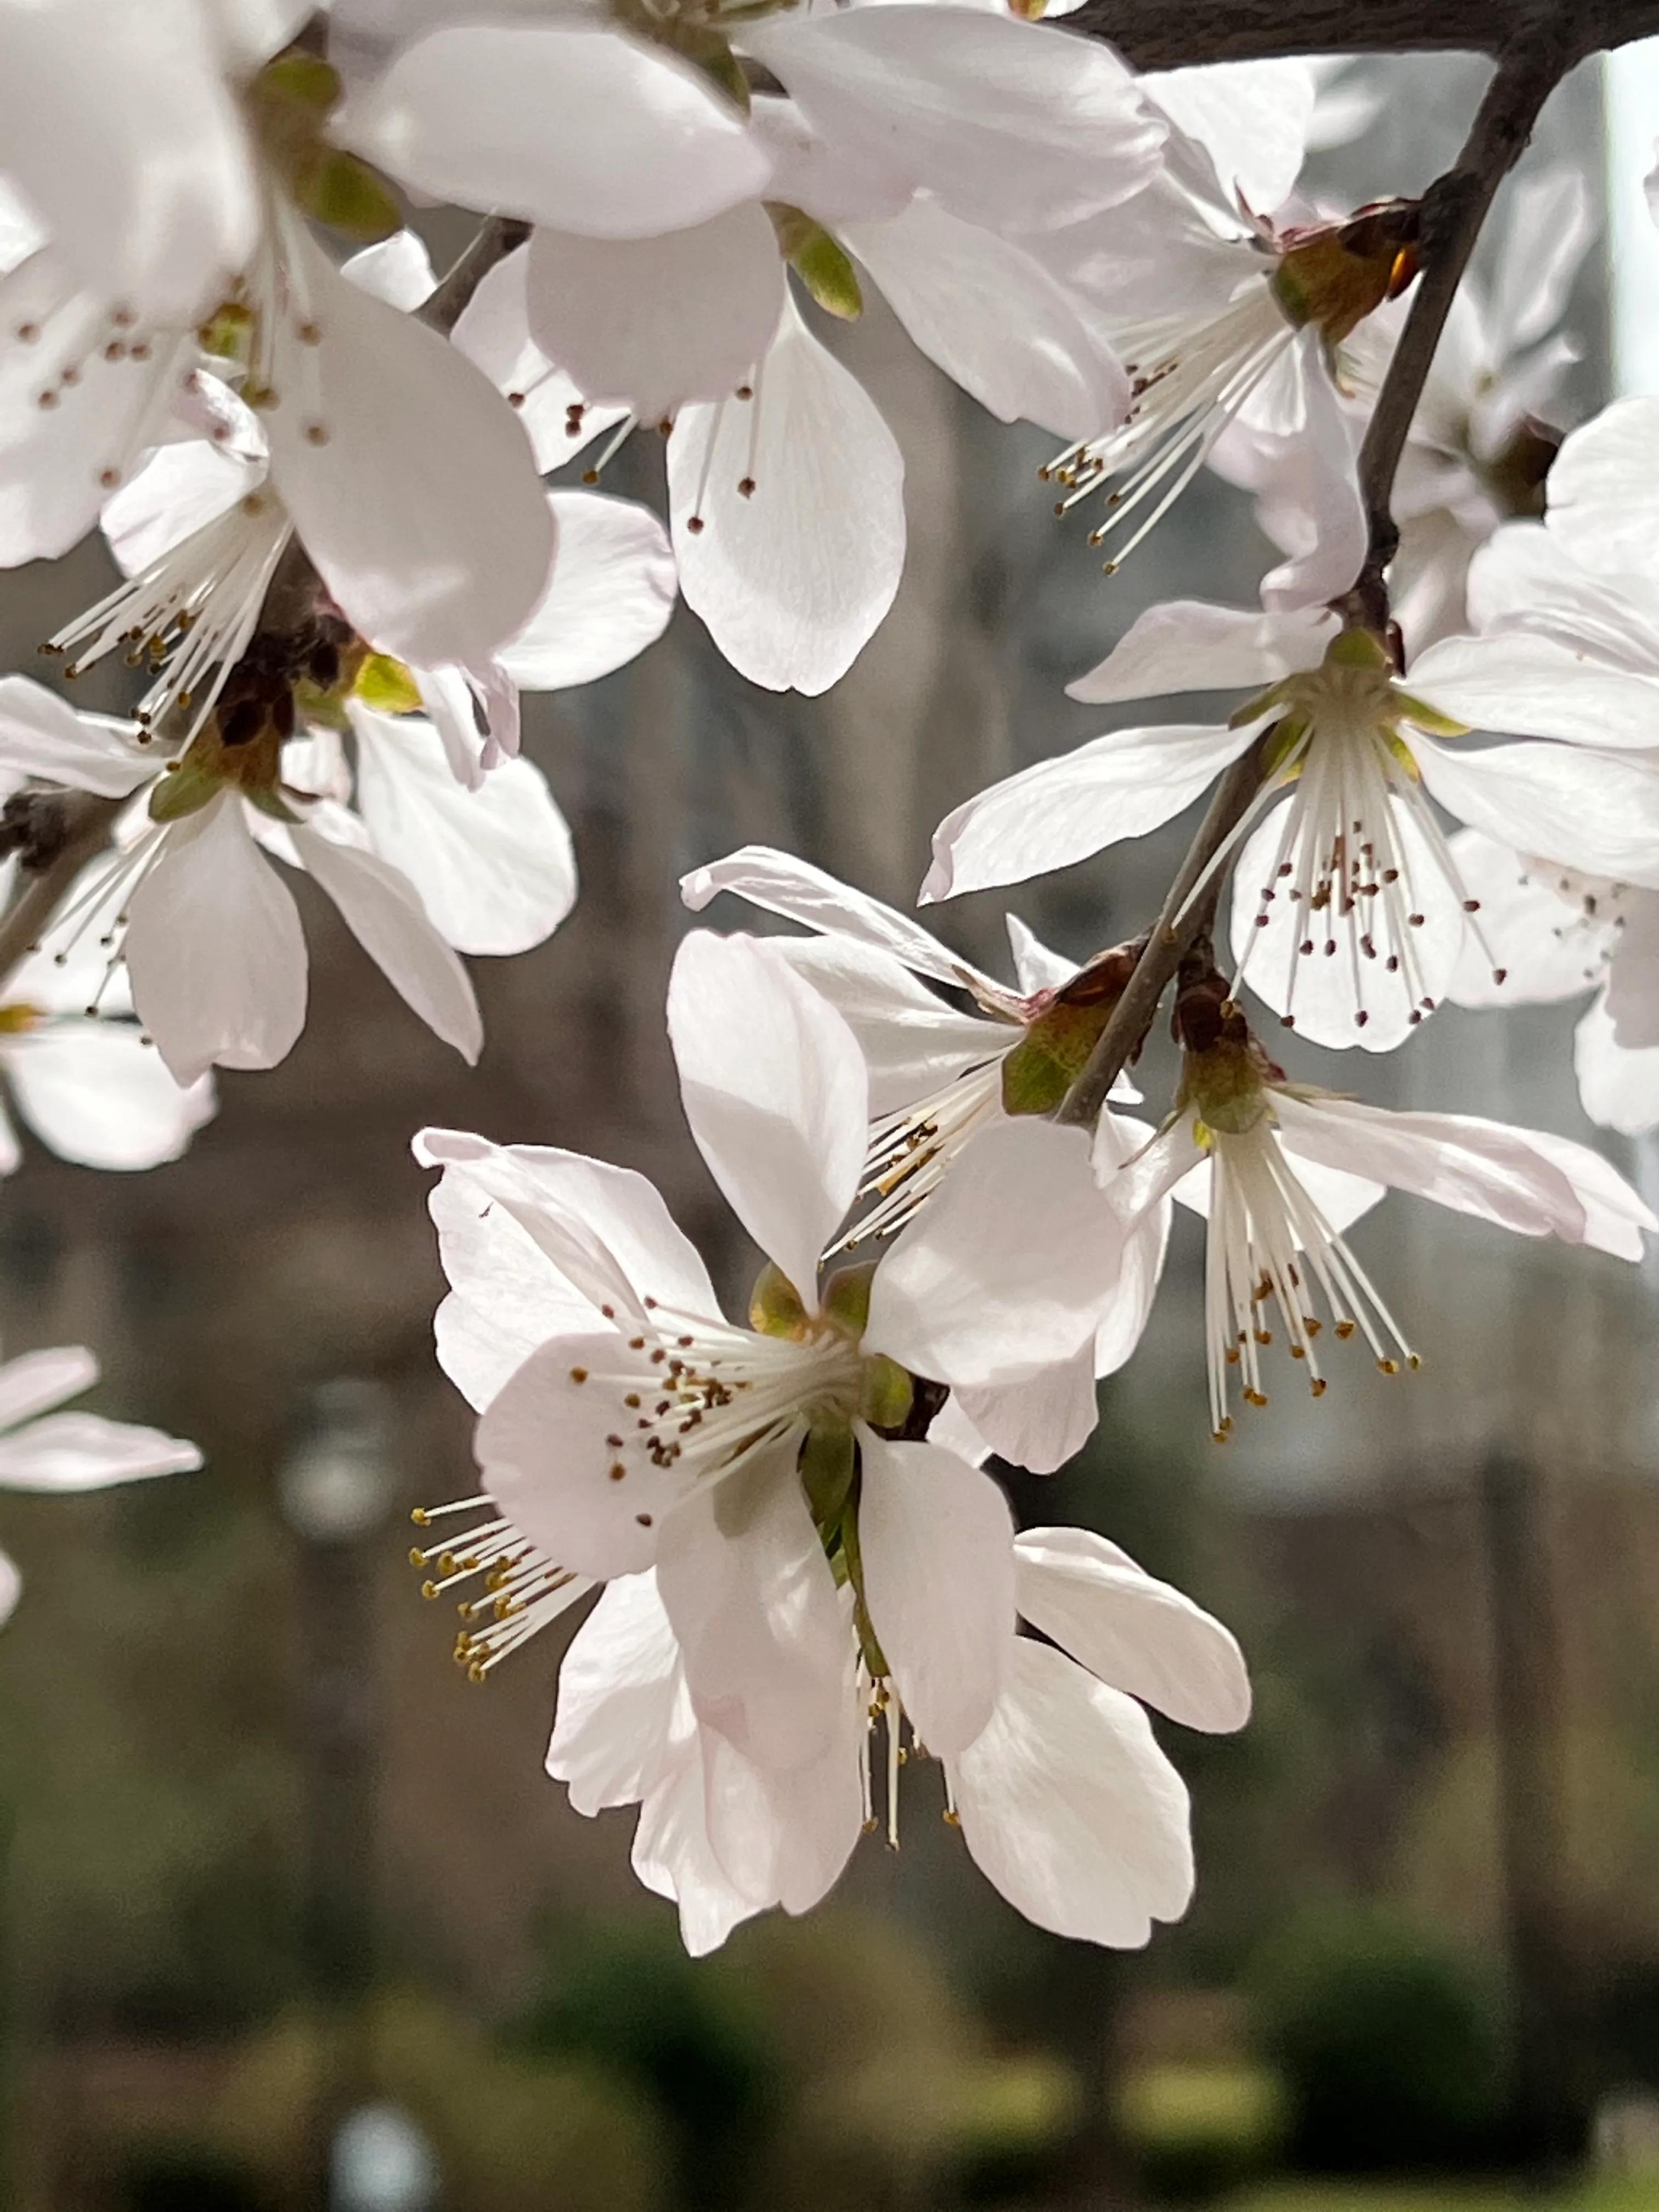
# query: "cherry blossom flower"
[[1348, 912], [918, 147], [78, 1070], [1290, 1167], [210, 934], [939, 1078], [1225, 316], [408, 478], [43, 1451], [1480, 446], [200, 530], [766, 1471], [1560, 935], [1064, 1800]]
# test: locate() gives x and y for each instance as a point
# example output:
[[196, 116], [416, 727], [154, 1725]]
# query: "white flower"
[[42, 1451], [939, 1078], [1064, 1799], [1225, 317], [78, 1070], [919, 142], [200, 529], [750, 1465], [1348, 912], [1478, 449], [1290, 1169], [1560, 935], [210, 934], [408, 479]]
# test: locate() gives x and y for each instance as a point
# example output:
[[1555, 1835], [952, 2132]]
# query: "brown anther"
[[694, 524], [644, 1520], [309, 334], [632, 1398], [746, 487], [1344, 1329], [579, 1375], [636, 1343], [617, 1470], [316, 433], [1317, 1386], [745, 392]]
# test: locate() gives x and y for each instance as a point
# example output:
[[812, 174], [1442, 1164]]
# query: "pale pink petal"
[[619, 1682], [1604, 490], [1594, 811], [914, 1043], [1533, 925], [1038, 1424], [1619, 1088], [494, 332], [1518, 682], [41, 735], [38, 1381], [1250, 118], [398, 269]]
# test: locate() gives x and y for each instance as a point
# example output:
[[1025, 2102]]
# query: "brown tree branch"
[[1163, 34], [1454, 209], [498, 236], [1172, 937]]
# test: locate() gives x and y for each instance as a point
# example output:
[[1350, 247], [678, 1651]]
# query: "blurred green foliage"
[[1193, 2132], [1387, 2040]]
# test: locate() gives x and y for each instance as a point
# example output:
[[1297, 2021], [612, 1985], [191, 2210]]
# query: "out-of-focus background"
[[291, 1915]]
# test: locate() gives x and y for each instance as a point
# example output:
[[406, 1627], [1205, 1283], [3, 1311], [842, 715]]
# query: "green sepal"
[[184, 790], [823, 266], [299, 79], [1051, 1055], [268, 802], [1225, 1084], [338, 190], [1254, 709], [776, 1307], [887, 1395], [827, 1468], [387, 685], [1357, 648], [845, 1299], [1282, 741], [1422, 716]]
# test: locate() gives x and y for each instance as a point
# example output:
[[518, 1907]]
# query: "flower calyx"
[[289, 105], [1332, 275], [1059, 1036], [1225, 1072], [822, 265]]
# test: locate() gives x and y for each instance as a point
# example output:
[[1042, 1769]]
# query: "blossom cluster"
[[322, 472]]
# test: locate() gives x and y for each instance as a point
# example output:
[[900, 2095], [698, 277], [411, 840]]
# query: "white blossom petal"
[[383, 911], [493, 333], [1057, 811], [792, 578], [574, 125], [42, 735], [1069, 1807], [612, 593], [743, 1574], [936, 1539], [1129, 1629], [494, 867], [995, 319], [214, 950], [912, 1042], [619, 1683], [1008, 1267], [37, 1380], [1039, 1424], [1604, 490], [93, 1092], [1189, 645], [1008, 123], [1530, 686], [653, 324], [1619, 1088], [421, 506], [774, 1087], [1595, 812], [66, 1452]]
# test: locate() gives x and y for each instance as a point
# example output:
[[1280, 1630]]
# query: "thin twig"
[[1156, 34], [497, 237], [84, 822], [1454, 209], [1172, 936]]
